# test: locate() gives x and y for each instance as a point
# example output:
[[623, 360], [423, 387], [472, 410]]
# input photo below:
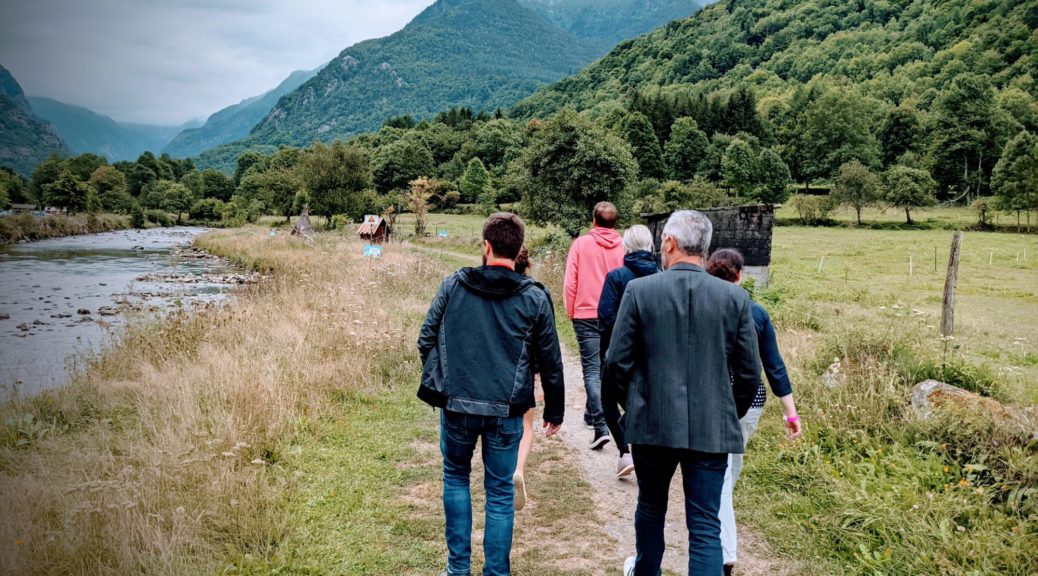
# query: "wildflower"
[[964, 483], [947, 469], [20, 542]]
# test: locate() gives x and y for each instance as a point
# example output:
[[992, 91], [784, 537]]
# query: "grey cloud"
[[166, 62]]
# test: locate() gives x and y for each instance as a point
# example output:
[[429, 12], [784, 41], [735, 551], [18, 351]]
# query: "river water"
[[63, 300]]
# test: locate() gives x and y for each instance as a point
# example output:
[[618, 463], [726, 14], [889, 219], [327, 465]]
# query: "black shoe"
[[728, 569], [601, 439]]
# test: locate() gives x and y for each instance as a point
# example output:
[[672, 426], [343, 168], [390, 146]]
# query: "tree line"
[[658, 152]]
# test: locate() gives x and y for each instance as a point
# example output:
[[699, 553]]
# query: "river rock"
[[5, 316], [107, 311], [83, 312]]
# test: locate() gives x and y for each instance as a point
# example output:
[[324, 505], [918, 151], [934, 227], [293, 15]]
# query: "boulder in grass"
[[931, 397]]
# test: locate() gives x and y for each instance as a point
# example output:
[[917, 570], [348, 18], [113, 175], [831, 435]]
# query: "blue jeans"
[[589, 338], [702, 475], [458, 436]]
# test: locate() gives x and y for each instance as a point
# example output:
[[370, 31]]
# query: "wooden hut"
[[374, 229]]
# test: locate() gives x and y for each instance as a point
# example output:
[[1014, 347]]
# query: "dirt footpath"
[[615, 500]]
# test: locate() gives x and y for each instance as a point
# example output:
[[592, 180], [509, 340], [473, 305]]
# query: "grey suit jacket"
[[684, 358]]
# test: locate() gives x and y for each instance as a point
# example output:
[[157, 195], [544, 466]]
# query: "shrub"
[[813, 209], [207, 209], [161, 218]]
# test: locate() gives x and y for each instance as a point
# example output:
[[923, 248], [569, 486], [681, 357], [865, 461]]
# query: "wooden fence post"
[[948, 308]]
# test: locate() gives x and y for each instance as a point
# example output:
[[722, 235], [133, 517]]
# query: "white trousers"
[[729, 535]]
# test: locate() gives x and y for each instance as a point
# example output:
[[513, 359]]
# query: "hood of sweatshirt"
[[606, 237], [493, 281], [641, 263]]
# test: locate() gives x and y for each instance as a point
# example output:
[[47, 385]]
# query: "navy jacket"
[[636, 265], [684, 358], [483, 334], [774, 367]]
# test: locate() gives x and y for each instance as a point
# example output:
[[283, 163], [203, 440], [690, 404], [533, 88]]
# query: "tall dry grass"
[[163, 456], [29, 227]]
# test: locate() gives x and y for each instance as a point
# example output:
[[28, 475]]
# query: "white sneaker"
[[625, 466], [629, 566], [520, 491]]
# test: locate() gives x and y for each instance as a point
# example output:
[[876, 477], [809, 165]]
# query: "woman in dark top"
[[638, 262], [727, 264]]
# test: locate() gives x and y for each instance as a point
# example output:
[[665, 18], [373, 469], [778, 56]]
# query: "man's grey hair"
[[637, 238], [691, 230]]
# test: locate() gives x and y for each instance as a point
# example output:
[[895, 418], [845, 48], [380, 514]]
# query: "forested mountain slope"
[[949, 82], [233, 122], [25, 140]]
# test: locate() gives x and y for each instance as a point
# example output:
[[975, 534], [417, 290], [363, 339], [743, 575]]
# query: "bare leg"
[[526, 443], [520, 469]]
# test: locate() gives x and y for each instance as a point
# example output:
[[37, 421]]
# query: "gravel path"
[[616, 499]]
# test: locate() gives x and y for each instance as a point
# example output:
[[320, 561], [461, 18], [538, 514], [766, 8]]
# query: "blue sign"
[[443, 233], [372, 251]]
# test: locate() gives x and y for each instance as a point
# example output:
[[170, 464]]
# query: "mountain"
[[900, 52], [25, 140], [235, 121], [87, 131], [608, 22], [481, 54]]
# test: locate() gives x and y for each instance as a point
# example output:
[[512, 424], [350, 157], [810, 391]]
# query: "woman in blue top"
[[727, 264], [638, 262]]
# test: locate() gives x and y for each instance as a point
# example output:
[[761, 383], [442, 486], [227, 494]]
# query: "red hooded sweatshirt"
[[590, 258]]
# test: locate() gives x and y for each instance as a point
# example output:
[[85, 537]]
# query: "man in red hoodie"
[[590, 258]]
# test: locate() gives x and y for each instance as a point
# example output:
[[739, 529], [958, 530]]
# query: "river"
[[62, 300]]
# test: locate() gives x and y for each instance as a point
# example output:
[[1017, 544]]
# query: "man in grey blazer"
[[684, 358]]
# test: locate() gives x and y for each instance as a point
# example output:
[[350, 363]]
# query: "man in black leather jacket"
[[485, 331]]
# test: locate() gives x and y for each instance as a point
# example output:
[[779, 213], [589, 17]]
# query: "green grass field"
[[869, 489]]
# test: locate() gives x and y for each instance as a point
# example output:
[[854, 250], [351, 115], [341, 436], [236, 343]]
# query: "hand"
[[793, 429], [551, 429]]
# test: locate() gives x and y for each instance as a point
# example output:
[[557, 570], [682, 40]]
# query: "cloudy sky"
[[170, 61]]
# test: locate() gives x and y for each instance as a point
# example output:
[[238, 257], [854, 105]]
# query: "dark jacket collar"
[[641, 263], [493, 281]]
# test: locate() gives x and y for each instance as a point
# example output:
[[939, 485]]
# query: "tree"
[[836, 130], [335, 176], [672, 195], [773, 178], [249, 161], [900, 132], [69, 193], [569, 166], [216, 184], [1015, 177], [497, 142], [397, 164], [417, 199], [475, 181], [857, 187], [110, 185], [14, 187], [685, 150], [741, 113], [45, 173], [909, 188], [170, 196], [476, 186], [638, 132], [138, 177], [963, 135], [740, 167]]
